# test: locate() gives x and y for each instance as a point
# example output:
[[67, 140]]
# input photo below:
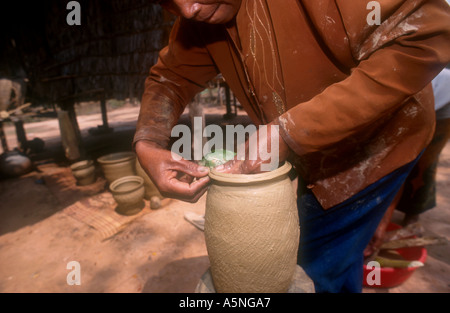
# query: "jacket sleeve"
[[183, 69], [396, 60]]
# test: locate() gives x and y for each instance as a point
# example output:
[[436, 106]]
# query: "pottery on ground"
[[117, 165], [252, 231], [14, 164], [128, 192], [84, 172], [150, 188]]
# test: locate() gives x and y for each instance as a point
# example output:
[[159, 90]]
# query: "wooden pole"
[[69, 138], [3, 138], [104, 112], [21, 135]]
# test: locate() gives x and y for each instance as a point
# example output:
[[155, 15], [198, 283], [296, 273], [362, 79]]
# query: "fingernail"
[[203, 169]]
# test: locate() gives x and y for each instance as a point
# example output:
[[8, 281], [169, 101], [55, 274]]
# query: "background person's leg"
[[419, 194]]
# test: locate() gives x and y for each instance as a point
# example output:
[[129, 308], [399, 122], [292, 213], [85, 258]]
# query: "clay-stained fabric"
[[357, 98]]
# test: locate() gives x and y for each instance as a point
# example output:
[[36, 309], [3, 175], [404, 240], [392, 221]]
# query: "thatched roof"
[[109, 53]]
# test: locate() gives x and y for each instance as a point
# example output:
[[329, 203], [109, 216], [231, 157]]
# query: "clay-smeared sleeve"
[[395, 61], [183, 69]]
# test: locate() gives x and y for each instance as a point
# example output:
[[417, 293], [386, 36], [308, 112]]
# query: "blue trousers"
[[332, 241]]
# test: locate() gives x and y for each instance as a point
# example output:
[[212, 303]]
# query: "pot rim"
[[81, 165], [109, 158], [124, 179], [250, 178]]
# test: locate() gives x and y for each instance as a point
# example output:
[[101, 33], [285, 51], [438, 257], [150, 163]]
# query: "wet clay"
[[252, 231]]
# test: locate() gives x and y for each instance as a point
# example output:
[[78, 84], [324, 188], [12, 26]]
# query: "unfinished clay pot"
[[84, 172], [150, 188], [117, 165], [252, 231], [129, 193]]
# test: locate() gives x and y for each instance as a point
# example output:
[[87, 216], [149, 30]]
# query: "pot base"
[[84, 172], [130, 209], [301, 283]]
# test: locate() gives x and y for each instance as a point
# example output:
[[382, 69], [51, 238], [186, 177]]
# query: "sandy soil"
[[159, 251]]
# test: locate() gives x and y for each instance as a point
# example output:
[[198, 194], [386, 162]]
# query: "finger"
[[192, 191], [199, 195], [231, 167], [200, 191], [190, 168], [239, 167]]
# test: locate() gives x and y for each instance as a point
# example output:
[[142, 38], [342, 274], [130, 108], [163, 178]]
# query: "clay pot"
[[252, 231], [84, 172], [150, 188], [117, 165], [15, 164], [129, 193]]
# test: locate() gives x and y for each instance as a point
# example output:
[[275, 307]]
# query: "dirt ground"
[[158, 251]]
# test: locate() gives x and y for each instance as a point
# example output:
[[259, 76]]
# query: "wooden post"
[[73, 119], [3, 138], [104, 112], [69, 138], [73, 133], [21, 135]]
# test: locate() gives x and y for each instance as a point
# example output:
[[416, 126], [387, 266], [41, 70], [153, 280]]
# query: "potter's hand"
[[269, 151], [177, 179]]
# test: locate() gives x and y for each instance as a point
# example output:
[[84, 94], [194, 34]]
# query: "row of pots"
[[128, 182]]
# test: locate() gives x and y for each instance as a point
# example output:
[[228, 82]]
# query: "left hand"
[[280, 151]]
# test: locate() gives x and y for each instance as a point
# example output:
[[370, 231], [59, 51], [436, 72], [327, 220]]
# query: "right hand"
[[263, 139], [178, 179]]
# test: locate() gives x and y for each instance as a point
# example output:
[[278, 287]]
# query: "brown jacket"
[[356, 99]]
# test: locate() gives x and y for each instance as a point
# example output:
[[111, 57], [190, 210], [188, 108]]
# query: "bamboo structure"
[[112, 50]]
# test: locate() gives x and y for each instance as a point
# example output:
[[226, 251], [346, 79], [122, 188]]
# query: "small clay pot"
[[129, 194], [252, 231], [117, 165], [84, 172]]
